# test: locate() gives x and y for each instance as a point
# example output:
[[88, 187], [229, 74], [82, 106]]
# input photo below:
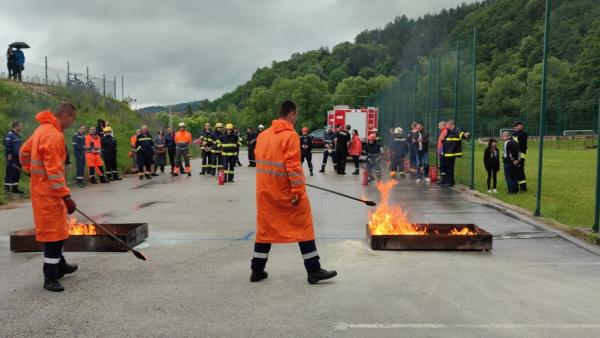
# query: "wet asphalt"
[[195, 283]]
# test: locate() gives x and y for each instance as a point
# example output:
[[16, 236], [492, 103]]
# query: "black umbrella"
[[19, 45]]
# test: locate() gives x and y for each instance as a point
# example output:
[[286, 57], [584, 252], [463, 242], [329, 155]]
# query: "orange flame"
[[78, 229], [391, 220], [462, 232]]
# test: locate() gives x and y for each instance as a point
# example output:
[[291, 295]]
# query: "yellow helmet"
[[107, 129], [219, 125], [229, 126]]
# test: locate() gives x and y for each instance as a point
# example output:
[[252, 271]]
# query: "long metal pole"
[[416, 89], [104, 85], [437, 109], [115, 87], [68, 75], [538, 197], [428, 97], [87, 74], [122, 88], [456, 80], [46, 68], [474, 109], [596, 226]]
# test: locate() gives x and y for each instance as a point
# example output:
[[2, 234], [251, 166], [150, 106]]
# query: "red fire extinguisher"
[[221, 177], [433, 174], [365, 177]]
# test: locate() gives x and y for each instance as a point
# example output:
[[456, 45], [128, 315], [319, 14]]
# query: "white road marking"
[[346, 326]]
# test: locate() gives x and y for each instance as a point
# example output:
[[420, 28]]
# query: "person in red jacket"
[[283, 208], [43, 155], [355, 150]]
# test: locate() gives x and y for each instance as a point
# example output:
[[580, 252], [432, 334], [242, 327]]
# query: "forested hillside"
[[509, 55]]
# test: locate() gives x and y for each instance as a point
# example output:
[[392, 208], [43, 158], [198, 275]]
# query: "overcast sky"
[[179, 50]]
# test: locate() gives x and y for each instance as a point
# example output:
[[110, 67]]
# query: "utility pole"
[[104, 85], [538, 197], [87, 74], [474, 109], [46, 68], [596, 226], [115, 87], [68, 75], [437, 102], [122, 88]]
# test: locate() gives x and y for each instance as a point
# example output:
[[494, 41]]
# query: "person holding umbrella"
[[19, 59]]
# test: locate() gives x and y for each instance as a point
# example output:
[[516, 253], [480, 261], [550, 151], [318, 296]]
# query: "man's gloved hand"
[[70, 204]]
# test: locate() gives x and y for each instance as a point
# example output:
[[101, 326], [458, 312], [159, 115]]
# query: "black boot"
[[311, 173], [356, 172], [66, 269], [189, 174], [109, 177], [103, 179], [81, 183], [116, 177], [315, 277], [15, 190], [154, 174], [257, 276], [148, 176], [141, 177], [322, 169], [52, 284], [93, 180]]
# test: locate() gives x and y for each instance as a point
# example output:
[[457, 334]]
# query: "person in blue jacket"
[[79, 151], [19, 64], [12, 145]]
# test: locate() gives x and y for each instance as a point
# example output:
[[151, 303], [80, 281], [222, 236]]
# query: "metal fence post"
[[87, 74], [437, 109], [596, 226], [104, 85], [122, 88], [46, 68], [474, 109], [115, 87], [416, 89], [68, 75], [427, 98], [538, 198], [456, 80]]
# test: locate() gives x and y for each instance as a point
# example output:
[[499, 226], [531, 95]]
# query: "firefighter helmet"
[[218, 125], [107, 129], [398, 131], [181, 124], [305, 130], [229, 126], [260, 126], [372, 137]]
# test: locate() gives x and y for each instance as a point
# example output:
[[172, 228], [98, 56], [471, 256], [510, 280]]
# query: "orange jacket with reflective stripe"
[[279, 175], [92, 147], [43, 155], [182, 138]]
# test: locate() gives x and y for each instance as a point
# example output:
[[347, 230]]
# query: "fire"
[[78, 229], [391, 220], [462, 232]]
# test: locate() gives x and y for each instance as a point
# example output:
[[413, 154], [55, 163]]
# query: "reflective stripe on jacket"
[[279, 176], [183, 139], [43, 155]]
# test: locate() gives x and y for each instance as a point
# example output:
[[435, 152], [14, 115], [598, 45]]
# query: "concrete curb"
[[525, 216]]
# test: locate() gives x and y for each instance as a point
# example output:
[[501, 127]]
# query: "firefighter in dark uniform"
[[237, 150], [329, 149], [251, 141], [452, 149], [12, 145], [398, 149], [109, 154], [520, 136], [206, 143], [79, 151], [229, 143], [306, 144], [144, 147], [511, 157], [216, 162]]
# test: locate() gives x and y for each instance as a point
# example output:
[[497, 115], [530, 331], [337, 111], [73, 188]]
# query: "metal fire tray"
[[131, 233], [438, 237]]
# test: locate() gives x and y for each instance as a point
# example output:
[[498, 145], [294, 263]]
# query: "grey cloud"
[[212, 45]]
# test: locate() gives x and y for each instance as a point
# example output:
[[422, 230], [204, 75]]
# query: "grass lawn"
[[568, 180]]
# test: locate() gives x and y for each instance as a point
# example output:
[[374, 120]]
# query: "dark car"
[[318, 138]]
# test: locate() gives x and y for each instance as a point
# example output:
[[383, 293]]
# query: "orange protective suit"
[[92, 155], [43, 155], [279, 175]]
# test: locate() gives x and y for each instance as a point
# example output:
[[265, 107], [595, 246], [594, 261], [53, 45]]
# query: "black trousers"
[[443, 178], [80, 164], [356, 161], [251, 157], [450, 162], [492, 175], [54, 261], [171, 153], [308, 250], [110, 161], [397, 164], [205, 161], [520, 175], [327, 154], [12, 174], [305, 154], [229, 166], [342, 155], [144, 161], [216, 162]]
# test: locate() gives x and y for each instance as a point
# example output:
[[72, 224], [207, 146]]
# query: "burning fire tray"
[[131, 233], [435, 237]]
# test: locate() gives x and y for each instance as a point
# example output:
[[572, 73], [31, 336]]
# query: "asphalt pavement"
[[195, 282]]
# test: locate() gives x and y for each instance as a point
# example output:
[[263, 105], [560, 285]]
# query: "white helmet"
[[181, 124], [260, 126], [398, 130]]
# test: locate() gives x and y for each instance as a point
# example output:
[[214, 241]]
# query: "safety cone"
[[433, 174], [221, 177], [365, 178]]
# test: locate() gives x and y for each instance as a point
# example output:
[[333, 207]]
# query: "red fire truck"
[[362, 119]]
